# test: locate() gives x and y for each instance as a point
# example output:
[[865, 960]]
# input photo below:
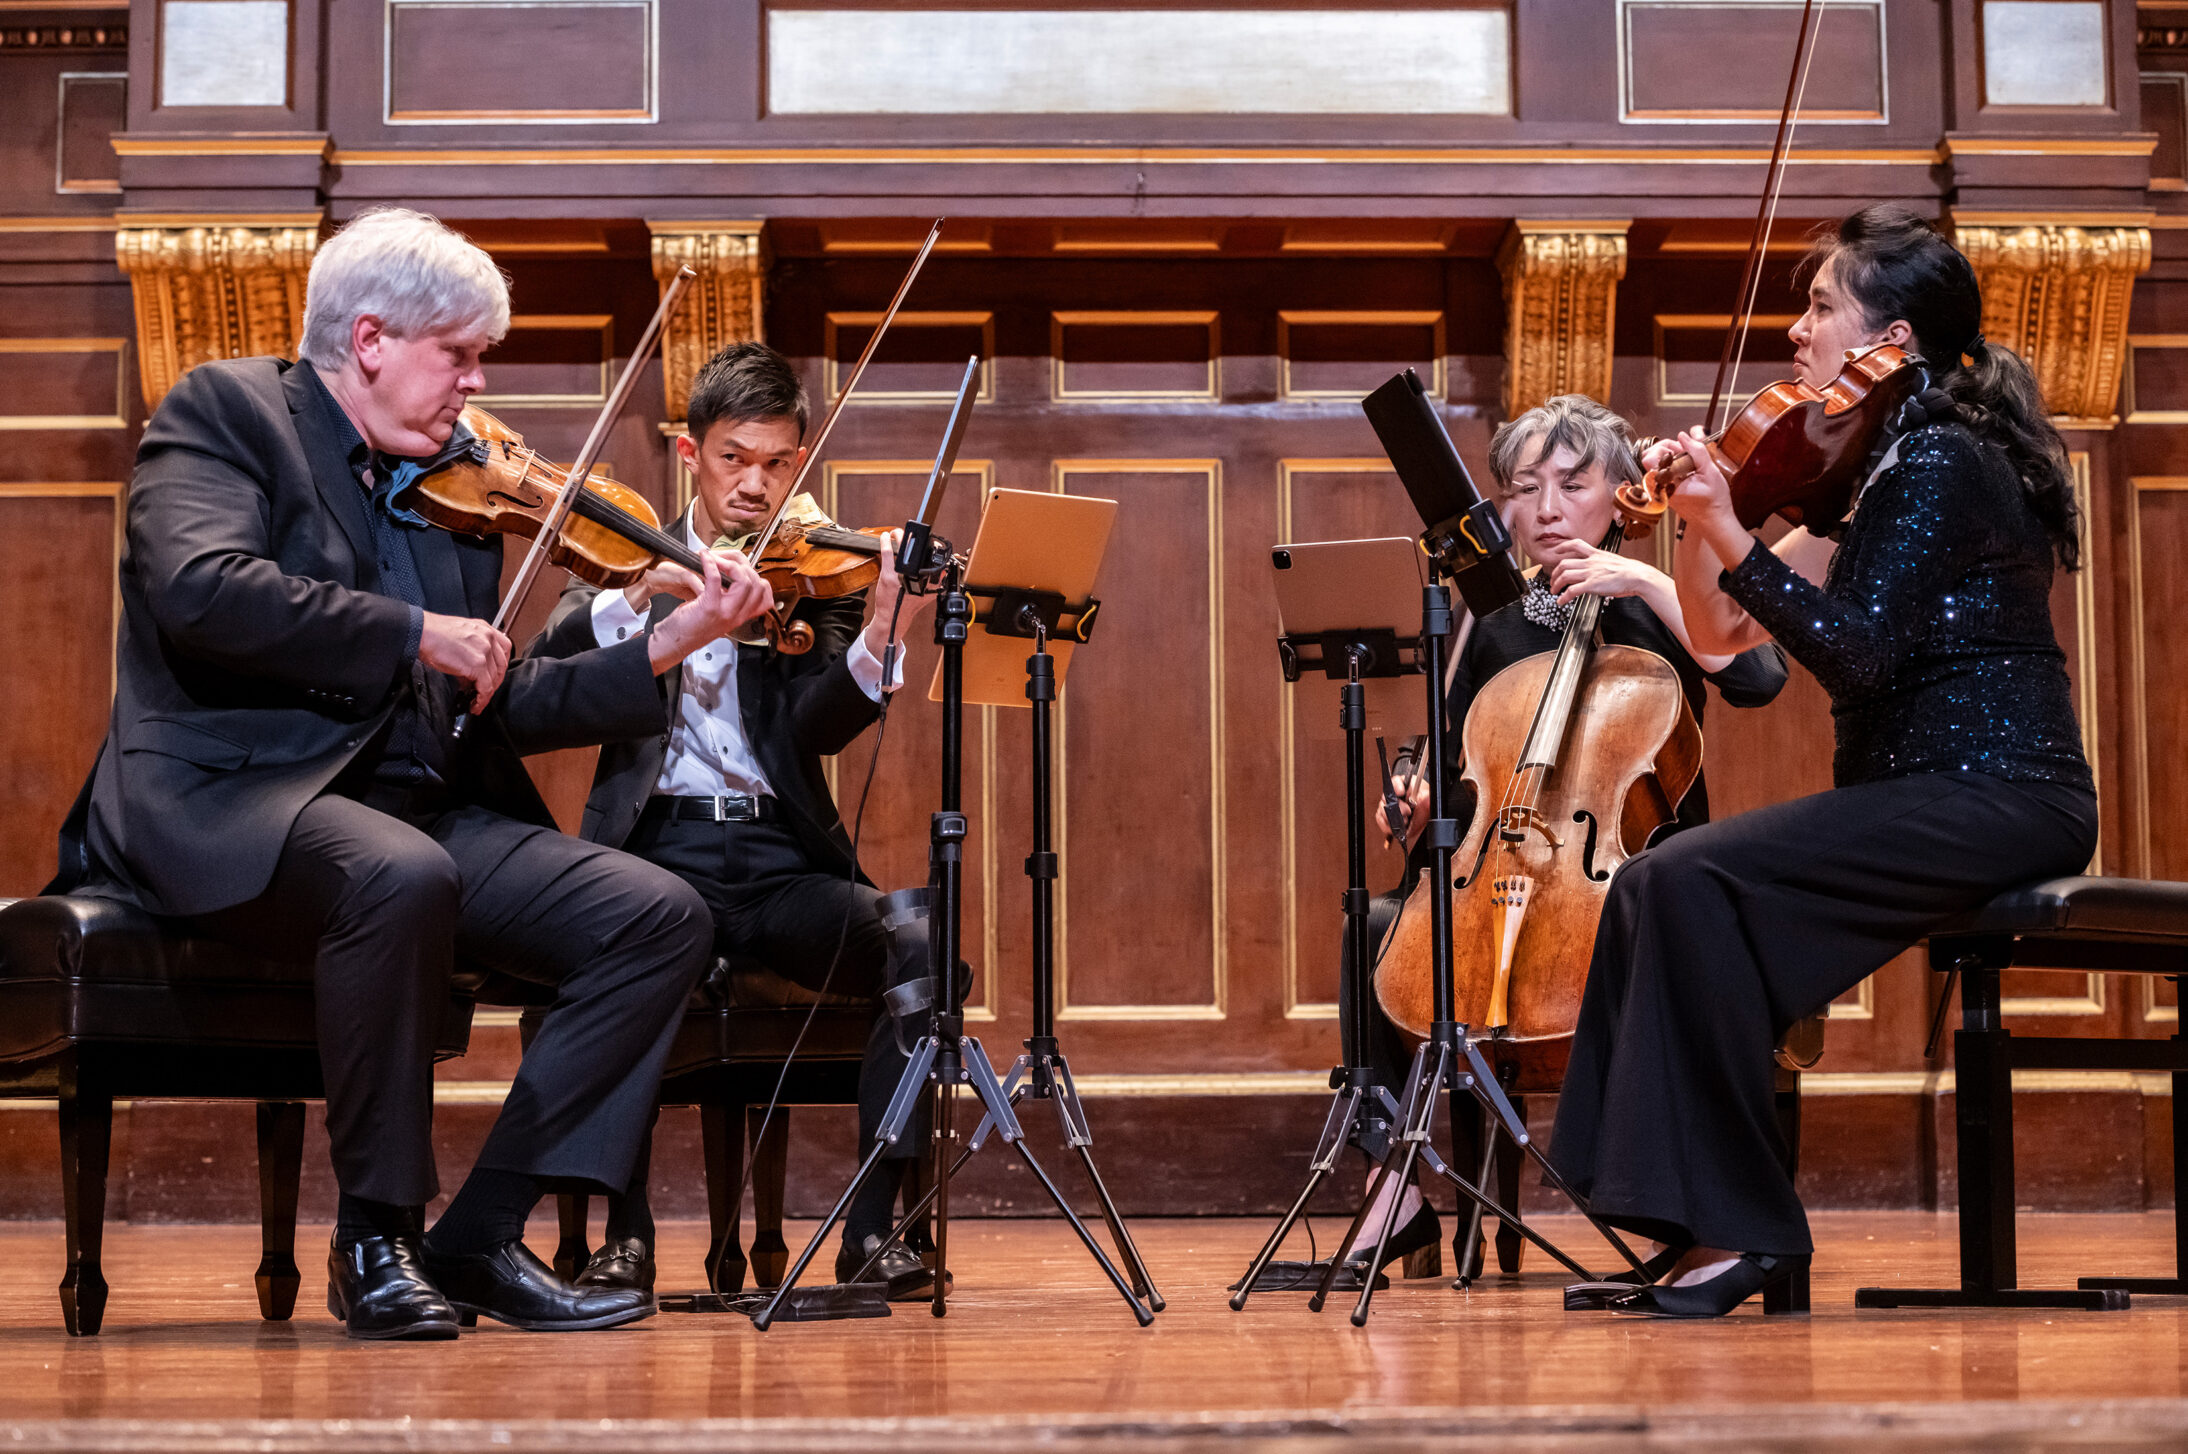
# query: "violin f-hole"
[[1587, 850]]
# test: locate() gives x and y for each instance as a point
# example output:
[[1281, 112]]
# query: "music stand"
[[1033, 565], [1467, 544], [1343, 608]]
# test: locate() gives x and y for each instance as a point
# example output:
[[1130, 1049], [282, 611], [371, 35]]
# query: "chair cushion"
[[77, 968], [74, 937], [2100, 908], [742, 983]]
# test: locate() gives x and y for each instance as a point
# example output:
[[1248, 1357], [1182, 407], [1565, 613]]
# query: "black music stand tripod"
[[1362, 1107], [947, 1057], [1449, 1059]]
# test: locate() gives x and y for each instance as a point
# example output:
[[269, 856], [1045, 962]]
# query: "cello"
[[1589, 750]]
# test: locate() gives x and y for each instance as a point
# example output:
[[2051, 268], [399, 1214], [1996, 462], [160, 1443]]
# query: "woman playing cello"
[[1556, 467], [1959, 771]]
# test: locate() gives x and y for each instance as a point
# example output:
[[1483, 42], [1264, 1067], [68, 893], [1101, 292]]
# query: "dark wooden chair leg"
[[280, 1168], [770, 1168], [1471, 1129], [1790, 1296], [573, 1248], [1511, 1247], [722, 1141], [87, 1135]]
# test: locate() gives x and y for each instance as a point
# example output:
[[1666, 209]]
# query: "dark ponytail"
[[1893, 265]]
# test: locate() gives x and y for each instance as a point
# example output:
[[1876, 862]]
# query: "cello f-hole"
[[1587, 850]]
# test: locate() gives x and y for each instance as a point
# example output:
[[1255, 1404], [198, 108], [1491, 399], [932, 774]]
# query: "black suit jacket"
[[255, 657], [796, 710]]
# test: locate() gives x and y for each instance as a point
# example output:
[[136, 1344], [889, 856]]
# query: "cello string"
[[1806, 63]]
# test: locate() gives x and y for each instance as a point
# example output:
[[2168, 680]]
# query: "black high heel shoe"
[[1753, 1273], [1596, 1297], [1419, 1242]]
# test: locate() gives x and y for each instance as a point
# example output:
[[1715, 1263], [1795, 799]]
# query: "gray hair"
[[1569, 421], [406, 269]]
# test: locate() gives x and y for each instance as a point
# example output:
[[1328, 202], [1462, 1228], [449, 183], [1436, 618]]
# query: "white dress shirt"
[[709, 752]]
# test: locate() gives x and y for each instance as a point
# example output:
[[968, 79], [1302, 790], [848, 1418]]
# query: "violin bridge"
[[1508, 912]]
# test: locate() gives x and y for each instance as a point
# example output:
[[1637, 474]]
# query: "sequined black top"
[[1932, 631]]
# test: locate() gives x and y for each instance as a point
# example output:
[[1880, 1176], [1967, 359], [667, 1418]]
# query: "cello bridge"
[[1514, 824]]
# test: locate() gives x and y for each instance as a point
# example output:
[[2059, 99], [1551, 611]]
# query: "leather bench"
[[99, 1002], [2112, 925]]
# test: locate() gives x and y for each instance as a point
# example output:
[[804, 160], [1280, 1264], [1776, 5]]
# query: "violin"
[[610, 539], [1793, 450]]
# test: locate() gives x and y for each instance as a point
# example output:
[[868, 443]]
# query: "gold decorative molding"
[[1560, 302], [726, 305], [212, 289], [2056, 293]]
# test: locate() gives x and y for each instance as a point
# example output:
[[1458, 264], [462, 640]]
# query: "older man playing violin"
[[280, 772], [724, 784]]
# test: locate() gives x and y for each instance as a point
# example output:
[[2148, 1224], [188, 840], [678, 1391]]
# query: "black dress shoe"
[[625, 1262], [1751, 1274], [512, 1286], [909, 1279], [380, 1289]]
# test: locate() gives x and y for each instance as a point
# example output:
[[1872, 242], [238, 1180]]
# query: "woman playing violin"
[[1556, 466], [1959, 771]]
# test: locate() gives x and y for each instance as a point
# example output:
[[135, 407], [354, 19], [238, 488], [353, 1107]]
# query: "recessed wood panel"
[[1355, 499], [2073, 610], [2165, 112], [63, 383], [93, 106], [921, 359], [906, 784], [1132, 355], [1662, 41], [2155, 381], [2162, 524], [551, 360], [1142, 749], [1690, 345], [57, 549], [1347, 355], [451, 61]]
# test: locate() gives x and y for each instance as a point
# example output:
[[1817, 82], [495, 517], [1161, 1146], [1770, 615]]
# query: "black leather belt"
[[726, 808]]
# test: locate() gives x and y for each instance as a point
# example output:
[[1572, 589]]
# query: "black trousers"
[[392, 901], [1712, 944], [821, 930]]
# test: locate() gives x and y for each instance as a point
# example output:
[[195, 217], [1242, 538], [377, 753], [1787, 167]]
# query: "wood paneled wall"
[[1180, 315]]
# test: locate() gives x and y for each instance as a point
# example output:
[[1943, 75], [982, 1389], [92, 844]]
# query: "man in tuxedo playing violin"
[[280, 772], [724, 784]]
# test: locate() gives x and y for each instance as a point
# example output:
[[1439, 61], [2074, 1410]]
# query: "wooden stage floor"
[[1038, 1351]]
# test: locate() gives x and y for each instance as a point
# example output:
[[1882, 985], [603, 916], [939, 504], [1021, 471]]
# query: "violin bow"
[[1766, 212], [512, 600], [843, 395]]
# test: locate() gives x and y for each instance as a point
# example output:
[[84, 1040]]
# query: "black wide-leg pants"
[[1712, 944], [392, 898]]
